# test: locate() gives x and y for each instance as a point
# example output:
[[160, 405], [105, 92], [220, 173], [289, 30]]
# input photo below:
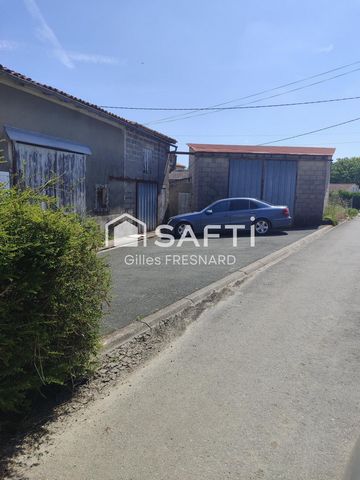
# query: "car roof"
[[239, 198]]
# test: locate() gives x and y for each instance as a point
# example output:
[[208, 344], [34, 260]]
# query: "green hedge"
[[52, 289]]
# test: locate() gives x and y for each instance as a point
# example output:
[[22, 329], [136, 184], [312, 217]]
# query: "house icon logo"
[[125, 230]]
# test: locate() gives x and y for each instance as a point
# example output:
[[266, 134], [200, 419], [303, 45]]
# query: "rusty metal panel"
[[37, 166], [280, 183], [41, 140], [147, 204], [245, 178]]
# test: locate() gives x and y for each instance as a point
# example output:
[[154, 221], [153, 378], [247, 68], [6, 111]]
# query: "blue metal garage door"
[[245, 178], [280, 183], [147, 204]]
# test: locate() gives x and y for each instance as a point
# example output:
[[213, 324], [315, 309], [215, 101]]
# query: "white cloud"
[[92, 58], [47, 34], [8, 45], [326, 49]]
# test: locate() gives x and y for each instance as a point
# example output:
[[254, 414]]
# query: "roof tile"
[[278, 150]]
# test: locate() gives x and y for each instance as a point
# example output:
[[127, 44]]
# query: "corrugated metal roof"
[[34, 138], [212, 148], [100, 111]]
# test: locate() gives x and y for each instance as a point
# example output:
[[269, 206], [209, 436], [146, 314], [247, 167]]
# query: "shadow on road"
[[16, 428]]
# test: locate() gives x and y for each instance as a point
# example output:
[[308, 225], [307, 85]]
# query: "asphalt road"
[[265, 385], [139, 290]]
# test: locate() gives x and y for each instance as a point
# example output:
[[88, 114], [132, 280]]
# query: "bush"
[[334, 213], [339, 207], [52, 289], [352, 212]]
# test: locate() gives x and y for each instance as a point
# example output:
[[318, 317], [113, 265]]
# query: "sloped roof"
[[15, 76], [278, 150]]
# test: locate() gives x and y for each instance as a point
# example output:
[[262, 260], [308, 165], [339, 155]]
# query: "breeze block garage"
[[294, 176]]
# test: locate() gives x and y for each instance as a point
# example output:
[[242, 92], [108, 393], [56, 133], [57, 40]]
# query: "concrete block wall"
[[210, 179], [134, 156], [311, 190]]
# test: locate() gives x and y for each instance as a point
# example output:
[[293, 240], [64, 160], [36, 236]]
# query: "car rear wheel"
[[262, 226]]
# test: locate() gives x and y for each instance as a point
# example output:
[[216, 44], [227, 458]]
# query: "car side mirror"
[[208, 212]]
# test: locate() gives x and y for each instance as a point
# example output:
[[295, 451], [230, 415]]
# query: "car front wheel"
[[262, 226], [179, 229]]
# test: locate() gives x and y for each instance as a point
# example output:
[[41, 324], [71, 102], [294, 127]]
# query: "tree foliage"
[[346, 170], [52, 289]]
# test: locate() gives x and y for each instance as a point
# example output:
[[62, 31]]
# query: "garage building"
[[294, 176]]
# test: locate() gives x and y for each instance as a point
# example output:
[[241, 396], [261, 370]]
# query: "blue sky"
[[184, 53]]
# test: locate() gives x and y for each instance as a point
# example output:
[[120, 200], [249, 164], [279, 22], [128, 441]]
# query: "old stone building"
[[294, 176], [104, 165]]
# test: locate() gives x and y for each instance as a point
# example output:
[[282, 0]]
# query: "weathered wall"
[[210, 179], [69, 191], [22, 110], [178, 186], [117, 152], [311, 190], [135, 144]]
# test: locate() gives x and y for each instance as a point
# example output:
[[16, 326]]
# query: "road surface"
[[139, 290], [265, 385]]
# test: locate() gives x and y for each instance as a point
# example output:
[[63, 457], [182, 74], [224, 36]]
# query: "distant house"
[[294, 176], [180, 172], [347, 187], [104, 165]]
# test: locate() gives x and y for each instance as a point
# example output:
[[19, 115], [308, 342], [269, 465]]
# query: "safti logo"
[[125, 230]]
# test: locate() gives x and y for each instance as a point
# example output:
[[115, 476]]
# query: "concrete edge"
[[107, 249], [200, 298]]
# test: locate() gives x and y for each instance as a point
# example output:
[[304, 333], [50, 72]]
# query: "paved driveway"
[[264, 386], [139, 290]]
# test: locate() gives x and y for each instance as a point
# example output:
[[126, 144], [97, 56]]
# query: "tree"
[[346, 170]]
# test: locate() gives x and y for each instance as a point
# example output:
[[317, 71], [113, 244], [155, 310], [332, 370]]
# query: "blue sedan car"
[[235, 211]]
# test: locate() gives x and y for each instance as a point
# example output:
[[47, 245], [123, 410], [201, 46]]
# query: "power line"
[[185, 116], [252, 134], [276, 88], [237, 107], [310, 132]]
